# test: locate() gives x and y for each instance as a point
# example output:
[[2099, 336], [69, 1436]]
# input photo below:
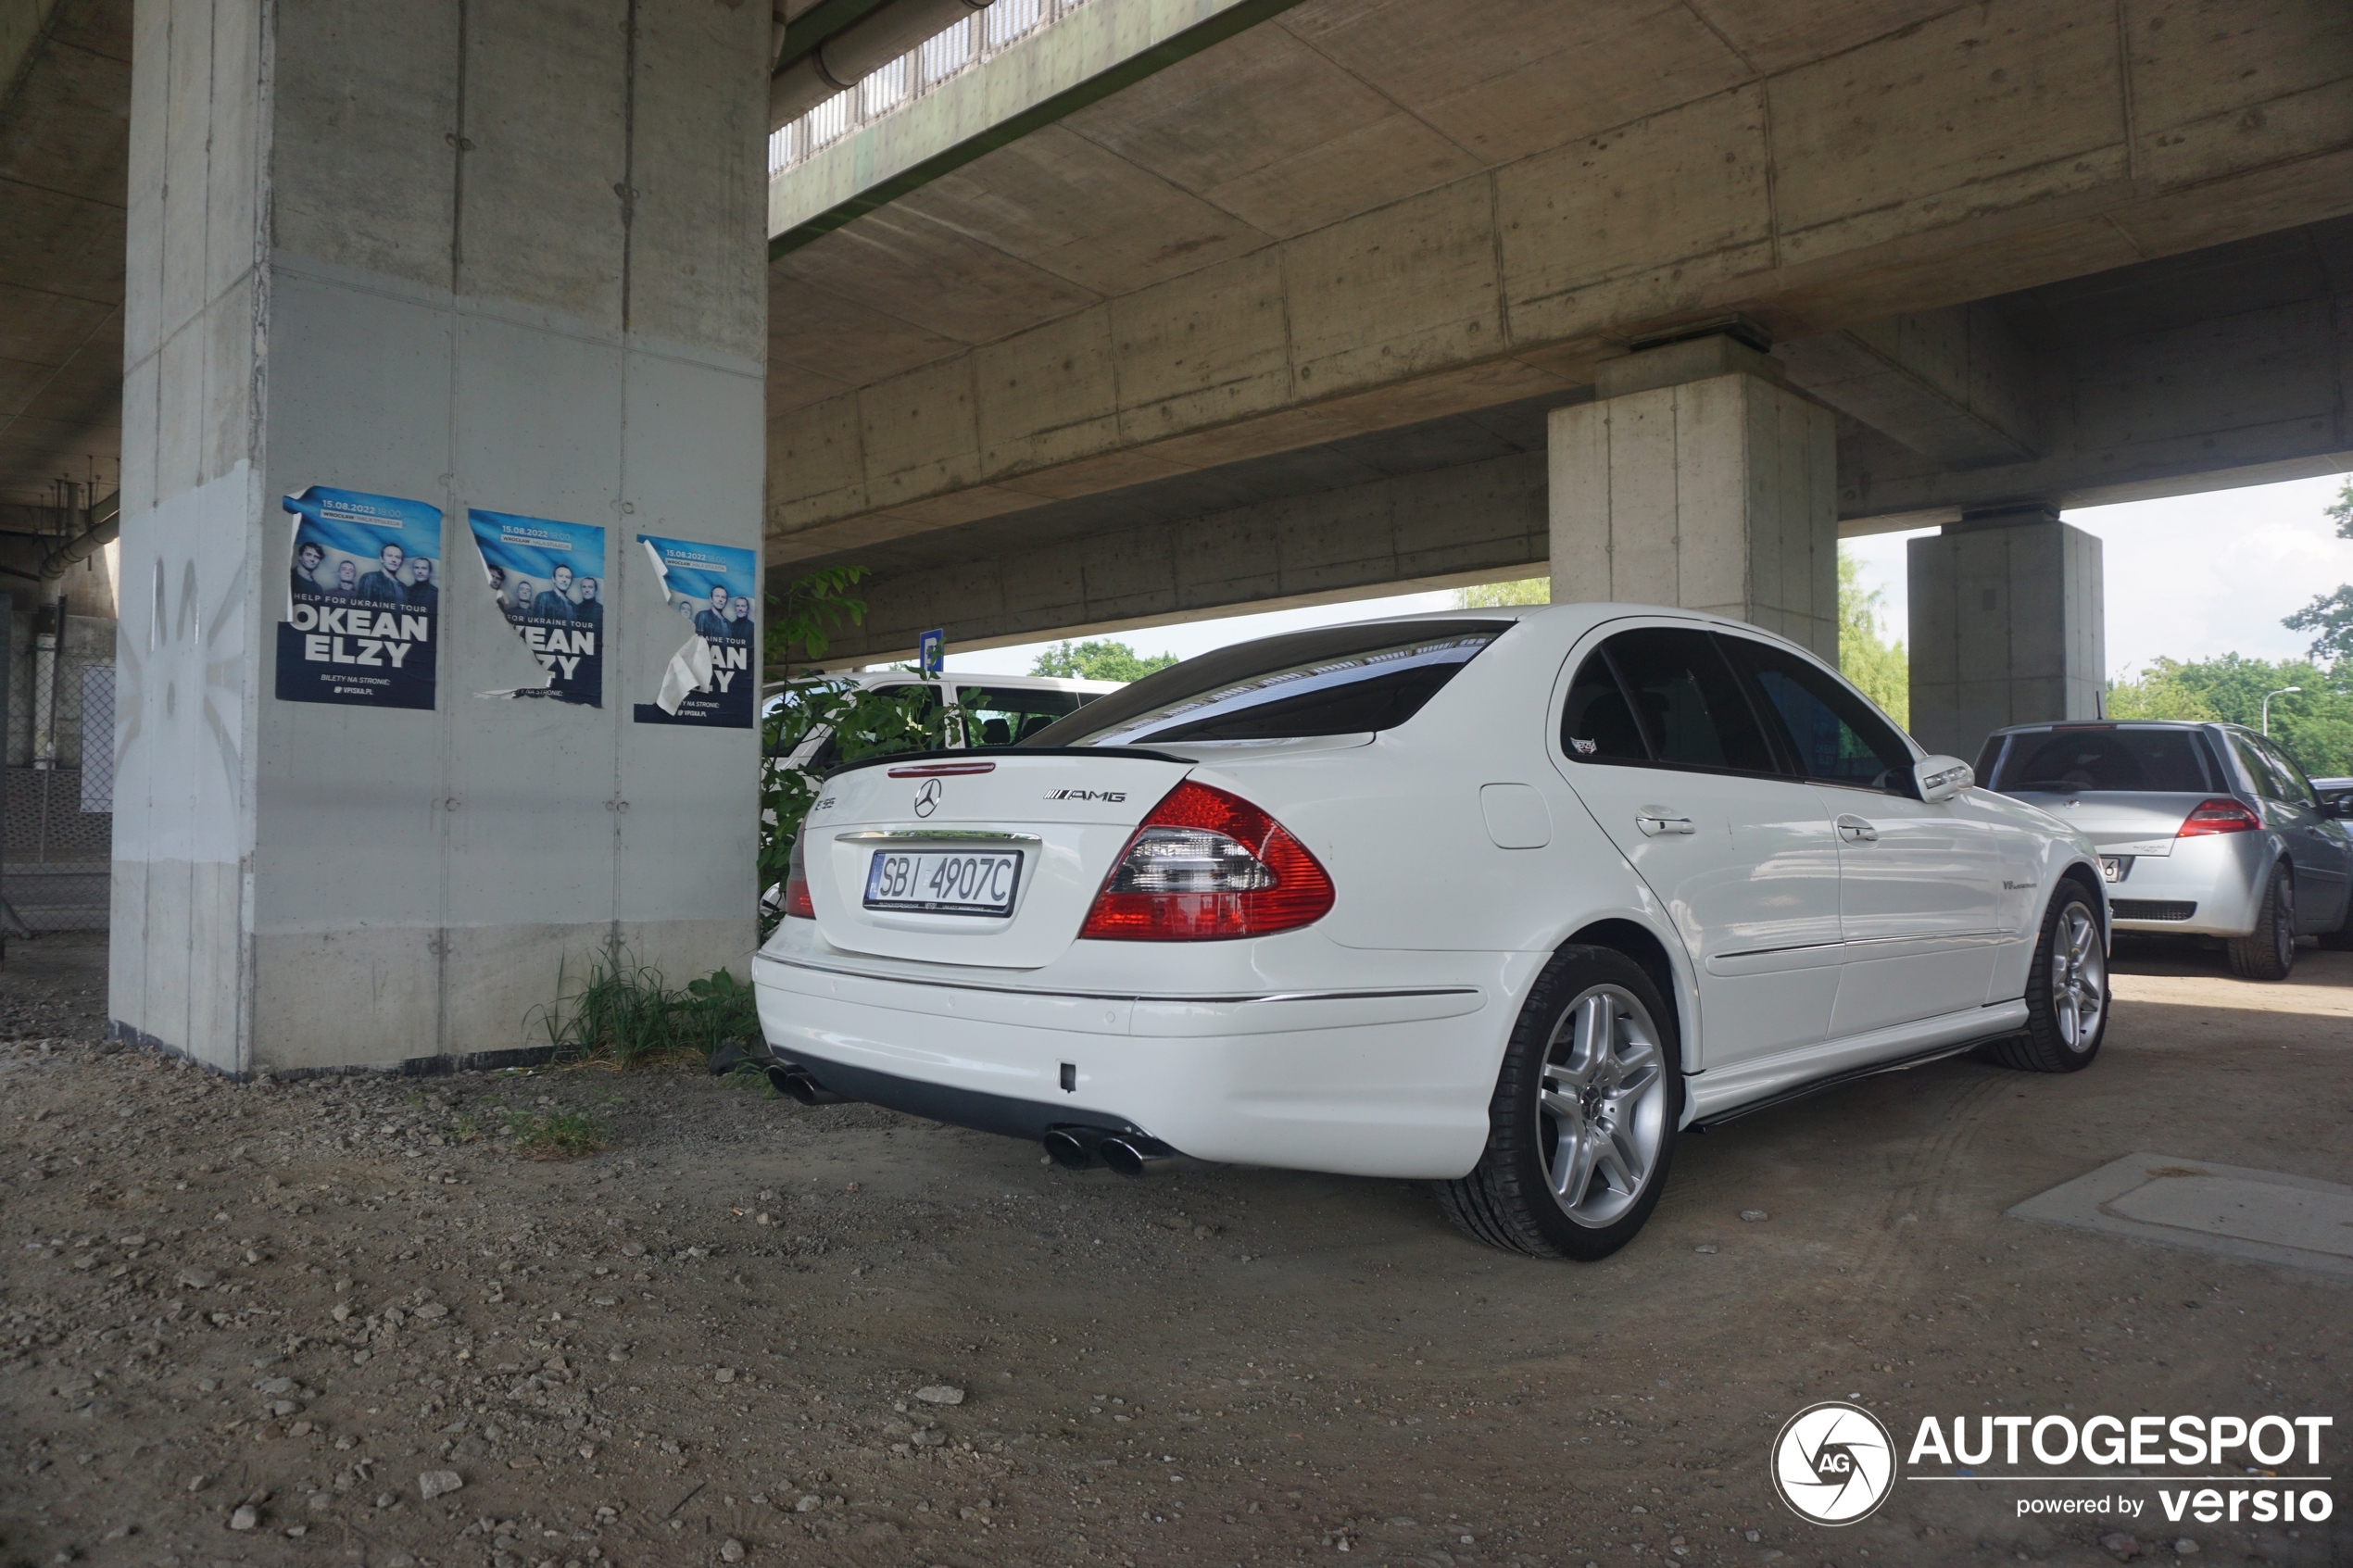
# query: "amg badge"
[[1113, 796]]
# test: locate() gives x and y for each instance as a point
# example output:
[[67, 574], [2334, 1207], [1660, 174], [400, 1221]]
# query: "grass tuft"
[[558, 1134], [623, 1015]]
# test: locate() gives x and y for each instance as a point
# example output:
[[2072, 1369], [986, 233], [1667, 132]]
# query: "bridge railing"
[[943, 57]]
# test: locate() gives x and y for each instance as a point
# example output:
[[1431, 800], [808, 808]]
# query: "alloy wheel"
[[2283, 922], [1601, 1106], [2078, 977]]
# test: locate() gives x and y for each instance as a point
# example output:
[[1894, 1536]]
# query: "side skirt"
[[1920, 1058]]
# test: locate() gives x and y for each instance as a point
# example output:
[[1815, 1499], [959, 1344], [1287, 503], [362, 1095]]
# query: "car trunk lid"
[[2121, 821], [907, 858]]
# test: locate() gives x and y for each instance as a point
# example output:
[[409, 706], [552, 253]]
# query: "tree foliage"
[[1505, 596], [802, 622], [2330, 616], [2314, 725], [1881, 669], [1098, 661]]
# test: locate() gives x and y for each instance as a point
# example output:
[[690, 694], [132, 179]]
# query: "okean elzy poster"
[[548, 578], [363, 601], [712, 680]]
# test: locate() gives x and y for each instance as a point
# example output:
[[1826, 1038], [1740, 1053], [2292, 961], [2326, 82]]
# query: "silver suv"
[[2202, 829]]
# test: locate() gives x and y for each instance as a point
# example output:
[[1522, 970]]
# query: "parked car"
[[1505, 898], [2202, 829], [983, 710]]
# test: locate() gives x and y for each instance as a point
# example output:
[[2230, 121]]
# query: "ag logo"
[[1833, 1463], [927, 797]]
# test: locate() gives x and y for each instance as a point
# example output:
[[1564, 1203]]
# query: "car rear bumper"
[[1392, 1081], [2205, 887]]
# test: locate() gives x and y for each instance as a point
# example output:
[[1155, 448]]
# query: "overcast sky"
[[2191, 577]]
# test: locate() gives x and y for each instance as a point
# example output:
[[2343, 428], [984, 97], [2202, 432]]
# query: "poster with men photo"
[[363, 600], [549, 580], [713, 679]]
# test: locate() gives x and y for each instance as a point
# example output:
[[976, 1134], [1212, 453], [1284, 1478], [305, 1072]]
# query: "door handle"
[[1855, 830], [1656, 820]]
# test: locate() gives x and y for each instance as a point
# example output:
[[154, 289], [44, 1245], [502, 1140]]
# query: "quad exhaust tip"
[[791, 1079], [1131, 1154]]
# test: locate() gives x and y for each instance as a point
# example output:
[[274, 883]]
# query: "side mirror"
[[1941, 778], [2338, 804]]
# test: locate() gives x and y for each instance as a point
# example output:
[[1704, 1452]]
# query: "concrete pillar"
[[495, 254], [2008, 626], [1697, 478]]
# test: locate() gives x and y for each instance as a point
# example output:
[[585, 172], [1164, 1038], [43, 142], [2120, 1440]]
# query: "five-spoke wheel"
[[1600, 1111], [1582, 1126]]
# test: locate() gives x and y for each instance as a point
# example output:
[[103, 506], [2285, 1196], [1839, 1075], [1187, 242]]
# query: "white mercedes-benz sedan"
[[1503, 898]]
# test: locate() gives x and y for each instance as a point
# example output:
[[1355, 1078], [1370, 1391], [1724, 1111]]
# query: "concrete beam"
[[1058, 70], [2224, 397], [1516, 259], [2260, 394], [1445, 528], [1954, 385]]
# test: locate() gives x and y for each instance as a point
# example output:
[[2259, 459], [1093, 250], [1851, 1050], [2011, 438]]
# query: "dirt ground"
[[241, 1322]]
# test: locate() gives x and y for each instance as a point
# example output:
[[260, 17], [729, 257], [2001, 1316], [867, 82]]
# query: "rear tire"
[[2268, 951], [2067, 990], [1581, 1128], [2341, 939]]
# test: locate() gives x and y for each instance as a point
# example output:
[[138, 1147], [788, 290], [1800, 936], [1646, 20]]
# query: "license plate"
[[2113, 867], [944, 882]]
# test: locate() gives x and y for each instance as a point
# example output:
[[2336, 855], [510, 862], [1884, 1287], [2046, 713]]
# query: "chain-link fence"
[[56, 830]]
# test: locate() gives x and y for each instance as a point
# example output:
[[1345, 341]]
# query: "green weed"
[[623, 1015], [558, 1134]]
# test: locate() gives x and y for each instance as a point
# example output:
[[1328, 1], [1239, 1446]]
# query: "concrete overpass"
[[1167, 308], [1284, 321]]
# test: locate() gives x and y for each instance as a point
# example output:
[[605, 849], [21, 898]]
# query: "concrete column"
[[1697, 478], [2008, 626], [503, 254]]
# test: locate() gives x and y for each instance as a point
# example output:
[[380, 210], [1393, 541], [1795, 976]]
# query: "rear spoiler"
[[973, 754]]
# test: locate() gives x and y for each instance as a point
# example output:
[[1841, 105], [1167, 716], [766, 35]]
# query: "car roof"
[[2110, 725]]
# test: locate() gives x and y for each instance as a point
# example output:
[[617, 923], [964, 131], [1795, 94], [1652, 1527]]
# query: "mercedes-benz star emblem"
[[927, 797], [1833, 1463]]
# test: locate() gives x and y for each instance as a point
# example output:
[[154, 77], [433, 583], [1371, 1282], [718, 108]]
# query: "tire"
[[2341, 939], [2268, 951], [2067, 998], [1592, 1076]]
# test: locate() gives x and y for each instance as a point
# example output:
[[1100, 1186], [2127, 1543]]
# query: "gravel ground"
[[270, 1322]]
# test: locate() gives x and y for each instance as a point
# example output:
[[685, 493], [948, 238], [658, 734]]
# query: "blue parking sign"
[[932, 651]]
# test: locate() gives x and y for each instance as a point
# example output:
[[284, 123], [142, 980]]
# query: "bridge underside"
[[1283, 322], [2224, 367]]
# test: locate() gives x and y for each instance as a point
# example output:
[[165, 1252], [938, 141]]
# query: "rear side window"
[[1332, 681], [1834, 735], [2275, 777], [2296, 786], [1664, 695], [1001, 718], [2125, 759]]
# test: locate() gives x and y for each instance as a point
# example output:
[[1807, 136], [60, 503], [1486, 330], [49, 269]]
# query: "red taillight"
[[797, 904], [2219, 815], [1206, 866]]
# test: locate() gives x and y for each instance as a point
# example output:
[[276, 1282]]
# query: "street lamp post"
[[2284, 691]]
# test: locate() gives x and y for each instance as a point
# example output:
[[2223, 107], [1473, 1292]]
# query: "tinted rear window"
[[1332, 681], [2124, 759]]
